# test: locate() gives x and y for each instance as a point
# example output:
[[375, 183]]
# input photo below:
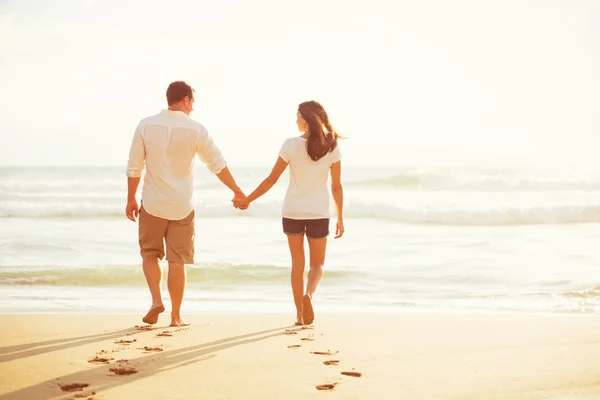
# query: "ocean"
[[417, 240]]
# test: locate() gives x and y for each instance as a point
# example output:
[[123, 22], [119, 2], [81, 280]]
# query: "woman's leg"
[[317, 249], [317, 259], [296, 243], [316, 232]]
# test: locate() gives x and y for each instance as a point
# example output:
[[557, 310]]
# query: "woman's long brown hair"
[[322, 137]]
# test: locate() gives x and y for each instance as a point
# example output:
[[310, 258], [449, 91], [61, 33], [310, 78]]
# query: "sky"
[[428, 82]]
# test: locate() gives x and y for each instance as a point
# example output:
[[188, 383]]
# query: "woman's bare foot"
[[308, 314], [178, 321], [152, 315]]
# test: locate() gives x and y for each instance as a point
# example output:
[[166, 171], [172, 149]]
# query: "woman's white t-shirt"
[[307, 196]]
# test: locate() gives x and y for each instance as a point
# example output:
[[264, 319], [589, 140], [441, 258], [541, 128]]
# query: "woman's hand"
[[339, 229]]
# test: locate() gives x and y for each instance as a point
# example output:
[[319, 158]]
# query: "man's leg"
[[151, 235], [180, 251], [153, 274], [176, 284]]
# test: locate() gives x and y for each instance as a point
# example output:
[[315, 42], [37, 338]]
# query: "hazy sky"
[[409, 82]]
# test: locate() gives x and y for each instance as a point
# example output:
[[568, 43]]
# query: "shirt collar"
[[170, 113]]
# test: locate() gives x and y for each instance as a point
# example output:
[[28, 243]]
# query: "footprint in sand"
[[144, 328], [327, 386], [125, 341], [324, 353], [149, 349], [164, 334], [291, 333], [123, 371], [102, 352], [308, 339], [352, 373], [331, 362], [87, 396], [73, 387], [293, 346], [100, 360]]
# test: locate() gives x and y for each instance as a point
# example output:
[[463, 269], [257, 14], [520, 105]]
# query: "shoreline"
[[348, 310]]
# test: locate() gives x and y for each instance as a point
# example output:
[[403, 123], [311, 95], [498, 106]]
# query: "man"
[[166, 144]]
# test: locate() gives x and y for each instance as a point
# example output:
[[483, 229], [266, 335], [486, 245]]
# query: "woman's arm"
[[338, 197], [266, 185]]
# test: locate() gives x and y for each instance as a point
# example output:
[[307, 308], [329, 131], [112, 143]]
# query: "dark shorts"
[[314, 228]]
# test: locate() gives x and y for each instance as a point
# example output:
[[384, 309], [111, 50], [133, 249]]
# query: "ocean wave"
[[405, 181], [442, 215], [78, 187], [75, 180], [479, 182], [223, 274], [548, 215], [593, 293]]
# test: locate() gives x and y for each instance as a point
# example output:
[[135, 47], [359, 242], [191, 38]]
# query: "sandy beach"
[[400, 356]]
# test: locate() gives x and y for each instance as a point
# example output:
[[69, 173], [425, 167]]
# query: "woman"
[[306, 207]]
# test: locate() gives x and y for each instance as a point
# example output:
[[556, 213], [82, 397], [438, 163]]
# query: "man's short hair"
[[177, 92]]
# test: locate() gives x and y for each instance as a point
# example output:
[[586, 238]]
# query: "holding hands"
[[240, 201]]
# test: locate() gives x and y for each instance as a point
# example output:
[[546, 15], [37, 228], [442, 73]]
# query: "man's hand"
[[132, 210], [339, 229], [240, 201]]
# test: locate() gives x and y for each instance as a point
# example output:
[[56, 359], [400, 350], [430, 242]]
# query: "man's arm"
[[132, 209], [227, 179], [211, 156], [135, 166]]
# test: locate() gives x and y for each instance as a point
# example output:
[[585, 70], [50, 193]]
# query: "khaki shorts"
[[178, 235]]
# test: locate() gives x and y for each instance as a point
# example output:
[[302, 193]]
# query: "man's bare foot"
[[152, 316], [178, 322]]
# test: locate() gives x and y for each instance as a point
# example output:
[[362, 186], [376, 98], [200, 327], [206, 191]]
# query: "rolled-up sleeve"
[[137, 155], [209, 153]]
